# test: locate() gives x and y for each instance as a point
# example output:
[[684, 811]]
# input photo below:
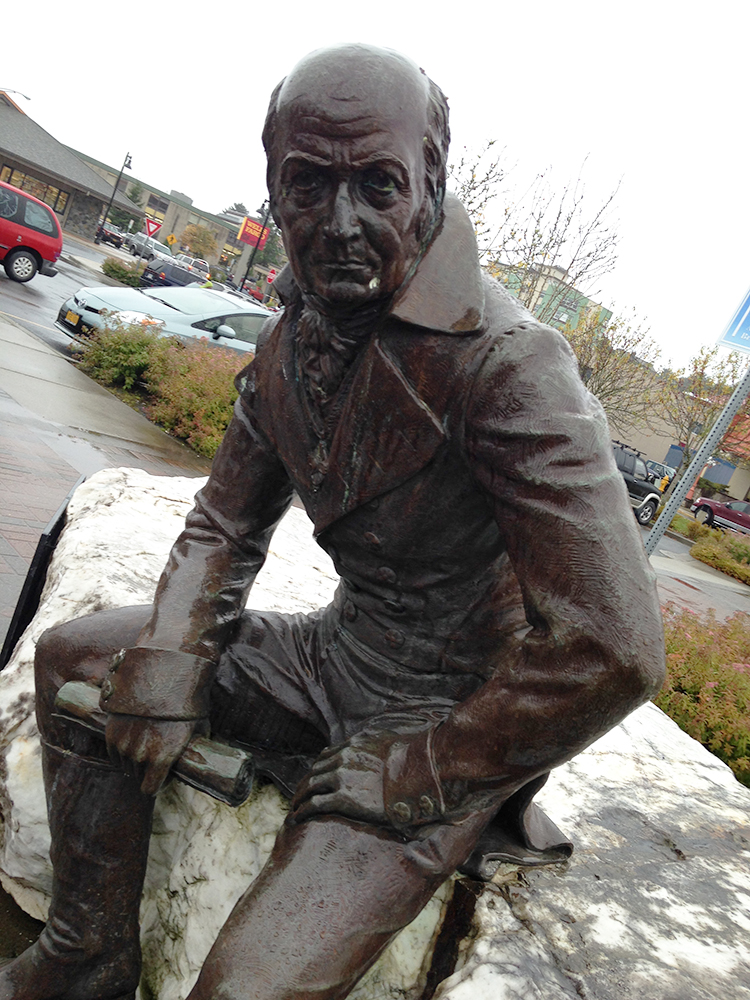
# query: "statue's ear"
[[275, 211]]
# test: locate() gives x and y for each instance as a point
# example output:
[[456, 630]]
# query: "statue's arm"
[[167, 676], [539, 445]]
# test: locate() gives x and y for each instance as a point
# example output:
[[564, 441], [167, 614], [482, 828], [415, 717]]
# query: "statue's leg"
[[100, 826], [331, 897]]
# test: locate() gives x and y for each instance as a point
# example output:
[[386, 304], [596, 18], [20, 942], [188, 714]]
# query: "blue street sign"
[[737, 334]]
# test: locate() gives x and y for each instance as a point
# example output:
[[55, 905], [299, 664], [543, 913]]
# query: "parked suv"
[[643, 492], [30, 236], [197, 263], [168, 272], [660, 470], [107, 233], [147, 247]]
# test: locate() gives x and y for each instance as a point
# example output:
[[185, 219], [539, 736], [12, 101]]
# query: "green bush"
[[696, 530], [121, 354], [726, 552], [188, 390], [128, 274], [192, 392], [707, 690]]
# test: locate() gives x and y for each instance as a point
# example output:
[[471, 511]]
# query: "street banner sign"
[[252, 233], [737, 334], [152, 227]]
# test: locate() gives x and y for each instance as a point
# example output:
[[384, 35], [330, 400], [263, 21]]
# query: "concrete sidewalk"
[[56, 424]]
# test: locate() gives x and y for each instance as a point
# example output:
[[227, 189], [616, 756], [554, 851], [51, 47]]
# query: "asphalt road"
[[689, 583]]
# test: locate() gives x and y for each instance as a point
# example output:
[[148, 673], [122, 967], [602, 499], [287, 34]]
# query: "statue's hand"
[[147, 748], [346, 781]]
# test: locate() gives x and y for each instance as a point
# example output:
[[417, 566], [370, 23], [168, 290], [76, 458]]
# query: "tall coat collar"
[[387, 430], [446, 293]]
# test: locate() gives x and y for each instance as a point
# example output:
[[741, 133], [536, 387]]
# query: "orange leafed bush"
[[193, 393], [707, 690]]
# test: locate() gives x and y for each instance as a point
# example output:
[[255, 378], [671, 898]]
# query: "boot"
[[100, 824]]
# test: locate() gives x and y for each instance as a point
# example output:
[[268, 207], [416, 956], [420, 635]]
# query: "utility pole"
[[267, 206]]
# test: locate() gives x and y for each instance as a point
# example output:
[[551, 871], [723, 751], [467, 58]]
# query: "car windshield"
[[194, 301]]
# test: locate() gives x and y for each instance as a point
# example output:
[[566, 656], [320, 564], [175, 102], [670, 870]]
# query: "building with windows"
[[33, 160], [548, 293], [175, 211]]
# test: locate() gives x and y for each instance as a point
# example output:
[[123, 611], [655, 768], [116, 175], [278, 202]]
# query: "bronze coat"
[[477, 520]]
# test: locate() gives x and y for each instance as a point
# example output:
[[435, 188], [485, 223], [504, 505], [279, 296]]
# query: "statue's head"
[[357, 141]]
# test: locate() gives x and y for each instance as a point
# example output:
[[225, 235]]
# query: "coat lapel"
[[385, 435]]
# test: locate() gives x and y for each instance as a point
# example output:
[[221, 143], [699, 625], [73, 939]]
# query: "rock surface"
[[653, 904]]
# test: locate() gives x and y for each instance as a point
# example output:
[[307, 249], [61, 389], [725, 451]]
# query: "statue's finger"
[[326, 765]]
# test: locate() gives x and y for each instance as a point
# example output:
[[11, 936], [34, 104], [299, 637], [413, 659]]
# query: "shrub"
[[121, 354], [128, 274], [696, 530], [728, 553], [707, 690], [193, 393]]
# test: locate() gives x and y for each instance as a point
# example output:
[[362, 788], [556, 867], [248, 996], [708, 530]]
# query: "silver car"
[[147, 247], [222, 318]]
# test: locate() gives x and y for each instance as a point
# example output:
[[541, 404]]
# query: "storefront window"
[[47, 193]]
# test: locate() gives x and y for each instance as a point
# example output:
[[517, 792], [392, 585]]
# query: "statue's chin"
[[343, 297]]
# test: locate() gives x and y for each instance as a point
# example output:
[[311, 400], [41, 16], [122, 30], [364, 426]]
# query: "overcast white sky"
[[653, 93]]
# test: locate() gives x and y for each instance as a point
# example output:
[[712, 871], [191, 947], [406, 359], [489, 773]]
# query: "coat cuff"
[[412, 791], [158, 684]]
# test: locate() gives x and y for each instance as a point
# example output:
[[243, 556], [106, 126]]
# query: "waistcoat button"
[[426, 806], [394, 638], [402, 812]]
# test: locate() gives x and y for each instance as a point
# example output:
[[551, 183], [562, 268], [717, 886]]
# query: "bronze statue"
[[496, 613]]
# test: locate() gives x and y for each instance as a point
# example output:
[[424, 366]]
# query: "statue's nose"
[[344, 222]]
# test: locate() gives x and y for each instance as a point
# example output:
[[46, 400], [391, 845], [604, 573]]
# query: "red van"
[[30, 236]]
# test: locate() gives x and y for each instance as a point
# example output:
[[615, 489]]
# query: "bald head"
[[357, 139], [369, 88]]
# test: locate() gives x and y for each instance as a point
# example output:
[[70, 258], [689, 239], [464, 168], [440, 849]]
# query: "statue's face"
[[349, 188]]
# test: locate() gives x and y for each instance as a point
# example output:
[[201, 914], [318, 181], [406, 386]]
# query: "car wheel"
[[21, 265], [646, 512], [704, 515]]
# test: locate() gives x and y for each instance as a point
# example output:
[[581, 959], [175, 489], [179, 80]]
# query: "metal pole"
[[125, 163], [255, 248], [713, 437]]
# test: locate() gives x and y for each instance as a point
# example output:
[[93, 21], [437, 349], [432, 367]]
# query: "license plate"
[[72, 318]]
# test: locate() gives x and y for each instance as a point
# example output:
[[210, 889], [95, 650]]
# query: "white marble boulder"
[[653, 904]]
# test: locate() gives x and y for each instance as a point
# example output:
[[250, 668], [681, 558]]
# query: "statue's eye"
[[378, 182], [306, 180]]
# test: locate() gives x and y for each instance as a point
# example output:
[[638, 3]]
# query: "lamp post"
[[267, 207], [126, 164], [10, 90]]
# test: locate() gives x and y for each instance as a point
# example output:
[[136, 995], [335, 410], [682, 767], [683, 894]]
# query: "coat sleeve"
[[206, 581], [538, 444]]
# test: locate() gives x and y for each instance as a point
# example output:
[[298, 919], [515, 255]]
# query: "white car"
[[193, 263], [222, 318]]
